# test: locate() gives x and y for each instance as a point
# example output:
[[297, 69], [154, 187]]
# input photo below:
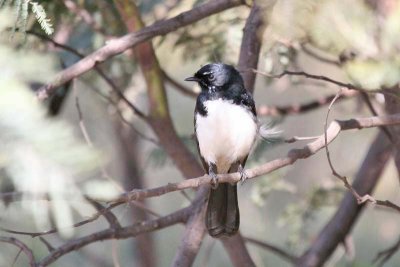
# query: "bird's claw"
[[243, 175], [214, 180]]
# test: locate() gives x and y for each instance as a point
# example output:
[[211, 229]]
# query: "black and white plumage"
[[226, 127]]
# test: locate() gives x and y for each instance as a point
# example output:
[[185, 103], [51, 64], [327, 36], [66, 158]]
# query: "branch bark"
[[238, 252], [21, 246], [117, 46], [278, 251], [144, 247], [292, 156], [194, 233], [120, 233], [251, 45], [345, 217], [160, 121], [392, 105]]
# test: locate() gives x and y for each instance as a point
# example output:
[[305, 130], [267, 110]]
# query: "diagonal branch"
[[99, 70], [251, 45], [301, 108], [349, 210], [385, 255], [101, 212], [117, 46], [293, 155], [326, 79], [180, 87], [28, 252], [118, 233], [274, 249]]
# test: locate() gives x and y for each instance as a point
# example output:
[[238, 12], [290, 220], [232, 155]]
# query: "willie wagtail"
[[225, 123]]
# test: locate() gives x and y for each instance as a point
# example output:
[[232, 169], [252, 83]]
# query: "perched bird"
[[225, 123]]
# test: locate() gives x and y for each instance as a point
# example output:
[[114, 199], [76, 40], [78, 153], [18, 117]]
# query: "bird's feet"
[[243, 175], [213, 175]]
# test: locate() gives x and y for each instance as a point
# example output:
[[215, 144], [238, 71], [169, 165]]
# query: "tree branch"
[[22, 246], [97, 68], [293, 155], [264, 110], [84, 15], [274, 249], [118, 233], [385, 255], [326, 79], [94, 217], [238, 252], [346, 215], [251, 45], [312, 53], [193, 235], [180, 87], [117, 46]]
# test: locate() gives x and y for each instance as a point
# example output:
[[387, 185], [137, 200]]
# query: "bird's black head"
[[216, 77]]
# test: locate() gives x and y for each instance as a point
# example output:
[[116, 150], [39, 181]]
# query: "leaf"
[[373, 74]]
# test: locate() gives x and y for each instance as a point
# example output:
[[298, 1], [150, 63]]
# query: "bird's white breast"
[[226, 134]]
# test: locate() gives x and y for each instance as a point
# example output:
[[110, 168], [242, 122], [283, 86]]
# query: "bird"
[[225, 125]]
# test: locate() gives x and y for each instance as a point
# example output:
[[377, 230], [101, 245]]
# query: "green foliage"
[[266, 185], [342, 28], [41, 17], [209, 40], [298, 215], [21, 11], [38, 155]]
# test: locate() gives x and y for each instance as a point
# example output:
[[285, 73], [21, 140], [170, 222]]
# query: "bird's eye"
[[211, 77]]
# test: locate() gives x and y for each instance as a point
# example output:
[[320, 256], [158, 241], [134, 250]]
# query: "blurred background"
[[85, 140]]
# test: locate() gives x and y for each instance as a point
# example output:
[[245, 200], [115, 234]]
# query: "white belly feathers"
[[226, 134]]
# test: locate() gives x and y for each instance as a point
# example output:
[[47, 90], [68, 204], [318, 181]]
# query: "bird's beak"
[[192, 79]]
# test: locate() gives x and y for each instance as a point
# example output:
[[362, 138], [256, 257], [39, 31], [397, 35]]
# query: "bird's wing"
[[205, 165], [248, 101]]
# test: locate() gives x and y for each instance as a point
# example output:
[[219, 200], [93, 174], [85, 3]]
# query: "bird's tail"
[[222, 217]]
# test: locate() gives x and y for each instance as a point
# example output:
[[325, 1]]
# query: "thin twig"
[[49, 247], [324, 78], [122, 233], [360, 199], [121, 116], [85, 16], [334, 172], [373, 111], [16, 257], [385, 255], [264, 110], [88, 140], [55, 230], [317, 56], [293, 155], [22, 246], [102, 74], [144, 207], [119, 45], [179, 87], [107, 214], [278, 251]]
